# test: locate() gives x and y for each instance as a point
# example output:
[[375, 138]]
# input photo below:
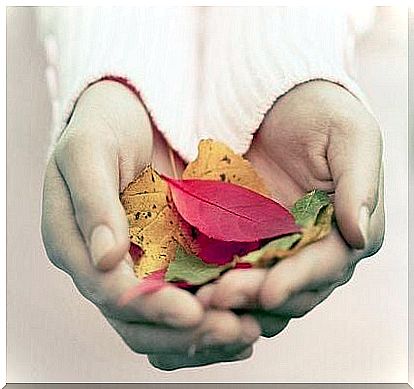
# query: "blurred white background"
[[53, 334]]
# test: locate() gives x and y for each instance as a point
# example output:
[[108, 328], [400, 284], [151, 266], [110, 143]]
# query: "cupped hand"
[[107, 142], [318, 135]]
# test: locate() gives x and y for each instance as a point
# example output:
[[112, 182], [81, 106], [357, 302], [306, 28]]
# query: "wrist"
[[109, 102], [324, 91], [328, 101]]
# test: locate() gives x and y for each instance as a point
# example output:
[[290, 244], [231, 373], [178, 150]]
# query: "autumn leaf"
[[310, 234], [169, 249], [307, 209], [314, 212], [214, 161], [219, 252], [242, 265], [155, 226], [284, 243], [229, 212], [150, 284], [135, 252], [217, 162], [191, 269]]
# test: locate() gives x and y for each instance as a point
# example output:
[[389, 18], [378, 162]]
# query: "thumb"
[[89, 165], [354, 156]]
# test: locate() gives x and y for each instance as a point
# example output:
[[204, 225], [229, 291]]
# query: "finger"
[[354, 155], [220, 330], [301, 304], [174, 362], [270, 324], [235, 289], [275, 321], [377, 223], [318, 265], [66, 248], [249, 286], [89, 165], [204, 294]]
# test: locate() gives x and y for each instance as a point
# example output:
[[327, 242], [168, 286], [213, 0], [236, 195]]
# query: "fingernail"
[[364, 219], [102, 242]]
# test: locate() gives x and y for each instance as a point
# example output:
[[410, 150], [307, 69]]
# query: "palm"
[[291, 157], [315, 136], [290, 152]]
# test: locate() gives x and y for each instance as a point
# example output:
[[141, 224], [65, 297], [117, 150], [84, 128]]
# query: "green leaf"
[[306, 209], [314, 213], [190, 268], [283, 243]]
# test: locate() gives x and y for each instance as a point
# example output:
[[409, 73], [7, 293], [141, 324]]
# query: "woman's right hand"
[[107, 142]]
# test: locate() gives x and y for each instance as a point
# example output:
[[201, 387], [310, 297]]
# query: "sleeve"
[[147, 49], [201, 72], [255, 55]]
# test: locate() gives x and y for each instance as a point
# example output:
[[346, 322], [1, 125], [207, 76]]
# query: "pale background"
[[53, 334]]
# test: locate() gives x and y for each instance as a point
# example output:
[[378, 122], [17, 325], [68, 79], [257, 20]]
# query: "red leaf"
[[229, 212], [242, 265], [181, 284], [218, 252], [136, 252], [150, 284]]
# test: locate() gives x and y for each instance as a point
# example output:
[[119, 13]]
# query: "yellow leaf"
[[154, 223], [217, 162]]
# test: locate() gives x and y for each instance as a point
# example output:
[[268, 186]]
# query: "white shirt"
[[202, 72]]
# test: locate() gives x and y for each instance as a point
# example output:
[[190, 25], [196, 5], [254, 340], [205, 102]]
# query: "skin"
[[107, 142], [317, 135]]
